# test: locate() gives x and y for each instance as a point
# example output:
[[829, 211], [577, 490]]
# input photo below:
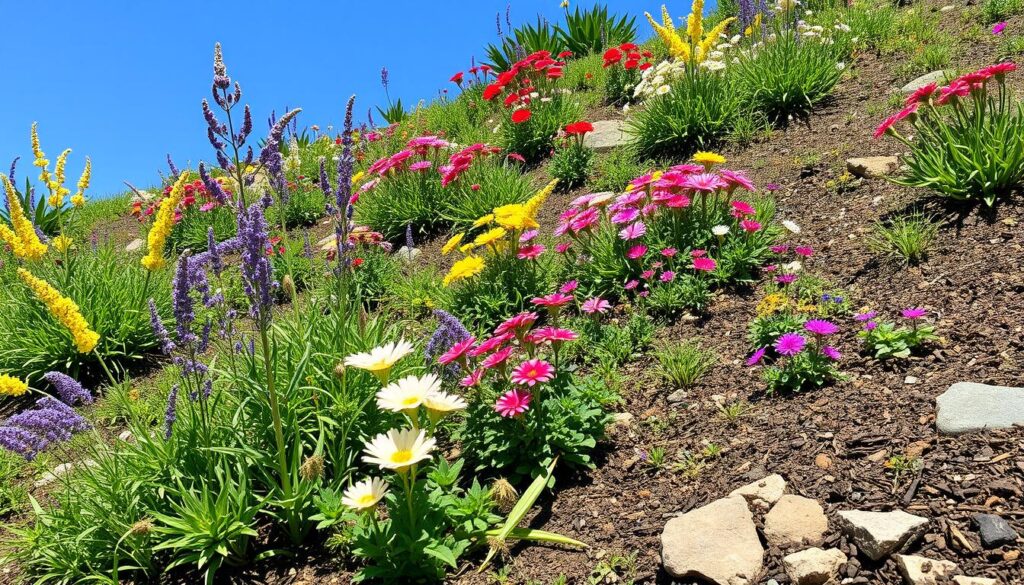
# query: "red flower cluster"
[[476, 72], [522, 79], [459, 162], [194, 192], [634, 59], [579, 128]]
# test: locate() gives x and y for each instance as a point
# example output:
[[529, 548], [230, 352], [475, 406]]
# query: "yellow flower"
[[490, 236], [452, 243], [533, 203], [56, 186], [64, 310], [162, 226], [357, 177], [466, 248], [62, 243], [484, 220], [28, 245], [11, 386], [771, 304], [708, 159], [40, 160], [694, 47], [78, 199], [465, 268]]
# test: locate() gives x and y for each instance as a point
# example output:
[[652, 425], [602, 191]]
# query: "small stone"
[[878, 456], [823, 461], [923, 571], [607, 134], [995, 531], [134, 245], [870, 167], [961, 580], [1011, 555], [910, 380], [938, 77], [762, 493], [795, 521], [966, 407], [408, 254], [677, 397], [879, 534], [717, 542], [622, 420], [947, 8], [813, 566], [125, 436]]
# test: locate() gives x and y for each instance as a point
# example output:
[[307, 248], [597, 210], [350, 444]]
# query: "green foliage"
[[571, 164], [394, 113], [807, 369], [567, 423], [305, 205], [684, 293], [488, 184], [886, 340], [462, 119], [790, 74], [534, 138], [699, 112], [504, 287], [111, 294], [13, 495], [764, 330], [614, 170], [584, 73], [686, 363], [905, 237], [593, 30], [611, 344], [993, 11], [192, 231]]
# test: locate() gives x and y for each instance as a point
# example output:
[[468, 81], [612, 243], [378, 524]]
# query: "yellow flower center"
[[410, 401], [403, 456], [366, 500]]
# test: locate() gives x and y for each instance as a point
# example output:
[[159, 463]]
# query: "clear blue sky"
[[122, 81]]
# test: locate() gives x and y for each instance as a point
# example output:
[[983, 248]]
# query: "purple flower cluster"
[[171, 414], [31, 431], [449, 332], [270, 155], [257, 271], [166, 344], [69, 390]]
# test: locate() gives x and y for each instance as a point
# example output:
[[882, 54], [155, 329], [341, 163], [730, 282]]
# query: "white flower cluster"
[[658, 80]]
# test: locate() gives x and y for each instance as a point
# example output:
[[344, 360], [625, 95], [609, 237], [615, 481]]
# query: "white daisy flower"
[[380, 360], [364, 494], [720, 230], [663, 90], [408, 393], [438, 404], [399, 449], [793, 267]]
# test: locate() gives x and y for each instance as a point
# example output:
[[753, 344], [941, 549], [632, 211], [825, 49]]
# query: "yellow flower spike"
[[162, 226], [666, 19], [37, 151], [78, 199], [11, 239], [465, 268], [677, 48], [712, 37], [452, 243], [64, 310], [62, 243], [30, 247], [695, 23], [534, 203], [11, 386]]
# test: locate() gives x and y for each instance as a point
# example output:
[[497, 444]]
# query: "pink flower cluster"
[[460, 162]]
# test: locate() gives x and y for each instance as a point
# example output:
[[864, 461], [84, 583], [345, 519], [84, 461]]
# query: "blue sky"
[[122, 81]]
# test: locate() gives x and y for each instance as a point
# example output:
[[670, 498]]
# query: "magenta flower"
[[456, 351], [631, 285], [870, 326], [497, 358], [569, 287], [998, 28], [866, 316], [790, 344], [756, 358], [785, 278], [780, 249], [531, 252], [736, 179], [595, 305], [532, 372], [750, 226], [625, 215], [521, 321], [821, 327], [489, 345], [633, 231], [421, 165], [914, 313], [704, 264], [831, 353], [552, 300], [636, 252], [553, 335], [527, 236], [669, 252], [698, 253], [667, 276], [770, 268], [741, 208], [647, 274], [513, 403], [704, 182], [472, 379], [805, 251], [563, 247]]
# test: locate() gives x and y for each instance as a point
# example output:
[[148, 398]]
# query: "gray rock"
[[607, 135], [966, 407], [134, 245], [939, 77], [813, 566], [678, 396], [870, 167], [717, 543], [408, 254], [762, 493], [923, 571], [879, 534], [995, 531], [947, 8], [795, 521]]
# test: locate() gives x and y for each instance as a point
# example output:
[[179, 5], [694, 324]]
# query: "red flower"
[[511, 99], [627, 47], [457, 78], [631, 64], [554, 73], [612, 56], [645, 66], [491, 91], [565, 54], [520, 116], [579, 128], [356, 262]]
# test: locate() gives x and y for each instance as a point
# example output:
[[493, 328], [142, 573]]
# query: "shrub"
[[683, 293], [192, 230], [698, 110], [885, 340], [905, 237], [624, 65], [615, 169], [685, 363], [572, 161], [968, 137], [527, 38], [800, 359], [593, 30]]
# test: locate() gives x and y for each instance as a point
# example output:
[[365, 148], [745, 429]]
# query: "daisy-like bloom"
[[398, 450], [407, 394], [633, 231], [527, 236], [636, 252], [785, 278], [791, 226], [698, 253], [11, 386], [631, 285], [421, 165], [365, 494], [380, 360], [667, 276], [921, 94], [704, 264], [741, 208], [531, 252], [756, 358], [780, 249], [532, 372], [625, 215], [790, 344], [513, 403], [464, 268], [998, 28], [595, 305], [569, 286], [490, 236], [805, 251], [770, 268], [489, 345], [866, 315], [497, 358], [914, 313], [563, 247], [669, 252], [704, 182], [520, 116], [552, 335], [821, 327], [720, 230], [517, 323], [439, 404], [870, 326], [472, 379], [831, 353], [750, 226], [708, 159], [456, 351], [552, 300], [736, 179], [647, 274], [598, 200]]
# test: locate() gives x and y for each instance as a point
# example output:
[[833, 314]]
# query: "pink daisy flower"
[[456, 351], [831, 353], [821, 327], [636, 252], [553, 335], [625, 215], [595, 305], [770, 268], [669, 252], [513, 403], [790, 344], [805, 251], [866, 316], [523, 320], [667, 276], [780, 249], [698, 253], [489, 345], [647, 274], [497, 358], [704, 264], [704, 182], [563, 247], [631, 285], [552, 300], [527, 236], [736, 179], [740, 208], [531, 252], [420, 165], [532, 372], [914, 313], [750, 226], [785, 278], [756, 358], [569, 287], [472, 379], [633, 231]]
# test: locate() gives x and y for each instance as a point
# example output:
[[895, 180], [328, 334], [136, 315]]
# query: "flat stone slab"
[[607, 135], [879, 534], [813, 566], [924, 571], [795, 521], [939, 77], [717, 543], [134, 245], [968, 407], [872, 167]]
